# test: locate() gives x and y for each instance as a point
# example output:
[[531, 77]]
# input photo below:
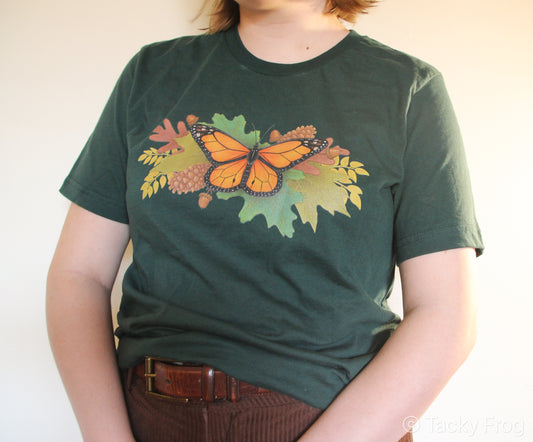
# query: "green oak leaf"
[[276, 209], [236, 128], [320, 190]]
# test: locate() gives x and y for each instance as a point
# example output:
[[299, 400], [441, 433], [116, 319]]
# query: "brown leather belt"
[[184, 382]]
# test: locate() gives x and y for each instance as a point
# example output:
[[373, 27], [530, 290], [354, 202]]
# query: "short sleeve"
[[434, 208], [97, 181]]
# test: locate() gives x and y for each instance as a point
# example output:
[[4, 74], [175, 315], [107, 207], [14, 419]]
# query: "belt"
[[182, 382]]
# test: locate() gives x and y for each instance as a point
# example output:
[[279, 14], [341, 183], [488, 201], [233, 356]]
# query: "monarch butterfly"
[[256, 171]]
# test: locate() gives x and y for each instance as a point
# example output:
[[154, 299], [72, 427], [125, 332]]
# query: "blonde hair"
[[224, 14]]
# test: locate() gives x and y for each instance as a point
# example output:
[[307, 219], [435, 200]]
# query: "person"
[[271, 173]]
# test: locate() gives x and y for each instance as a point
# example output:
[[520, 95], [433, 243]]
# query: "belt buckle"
[[149, 374]]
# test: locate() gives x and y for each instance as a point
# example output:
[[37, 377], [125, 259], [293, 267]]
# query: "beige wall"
[[59, 61]]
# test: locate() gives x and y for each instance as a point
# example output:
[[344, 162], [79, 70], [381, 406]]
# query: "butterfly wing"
[[262, 180], [225, 153], [264, 177], [218, 146], [287, 154], [226, 177], [231, 168]]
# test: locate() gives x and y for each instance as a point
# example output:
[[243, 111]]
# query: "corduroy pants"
[[270, 417]]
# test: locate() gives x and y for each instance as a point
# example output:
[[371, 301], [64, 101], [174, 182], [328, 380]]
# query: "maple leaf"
[[320, 190], [276, 209], [169, 135]]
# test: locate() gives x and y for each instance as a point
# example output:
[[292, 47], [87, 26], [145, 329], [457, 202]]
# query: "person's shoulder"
[[175, 46], [178, 53], [391, 62]]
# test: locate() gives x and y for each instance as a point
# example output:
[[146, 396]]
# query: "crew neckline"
[[245, 57]]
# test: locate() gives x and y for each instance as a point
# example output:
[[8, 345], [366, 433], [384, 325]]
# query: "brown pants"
[[270, 417]]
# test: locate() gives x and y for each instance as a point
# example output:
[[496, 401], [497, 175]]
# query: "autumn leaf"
[[355, 198], [320, 190], [276, 209], [147, 190], [236, 128], [168, 134], [320, 158], [191, 155], [361, 171]]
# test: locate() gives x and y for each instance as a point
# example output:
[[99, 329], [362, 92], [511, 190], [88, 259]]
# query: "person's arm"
[[78, 311], [435, 337]]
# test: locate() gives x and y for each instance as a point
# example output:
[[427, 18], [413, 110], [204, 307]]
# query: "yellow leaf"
[[356, 200], [163, 181], [147, 160], [150, 192], [356, 164], [145, 192], [153, 150], [152, 175], [158, 161], [345, 161], [354, 189], [142, 157], [153, 160], [361, 171], [319, 190], [156, 186], [345, 180], [352, 175], [341, 170]]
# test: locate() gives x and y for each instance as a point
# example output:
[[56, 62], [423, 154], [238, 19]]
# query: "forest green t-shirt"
[[269, 203]]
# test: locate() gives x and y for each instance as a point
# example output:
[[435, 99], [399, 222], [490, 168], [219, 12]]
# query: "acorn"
[[274, 136], [333, 152], [191, 119], [204, 199]]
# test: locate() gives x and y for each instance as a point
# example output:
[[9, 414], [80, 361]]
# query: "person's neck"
[[292, 34]]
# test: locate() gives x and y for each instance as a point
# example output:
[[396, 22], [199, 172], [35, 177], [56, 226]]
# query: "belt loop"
[[232, 388], [208, 383], [129, 378]]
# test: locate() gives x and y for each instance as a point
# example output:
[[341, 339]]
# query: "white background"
[[59, 61]]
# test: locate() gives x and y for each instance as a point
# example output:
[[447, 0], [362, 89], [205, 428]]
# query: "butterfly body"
[[252, 155], [255, 170]]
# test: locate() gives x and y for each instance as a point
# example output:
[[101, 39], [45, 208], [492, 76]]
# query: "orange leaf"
[[169, 135], [320, 158]]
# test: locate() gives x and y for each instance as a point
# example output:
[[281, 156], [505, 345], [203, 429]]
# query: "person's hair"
[[224, 14]]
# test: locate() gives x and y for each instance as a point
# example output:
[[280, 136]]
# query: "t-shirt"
[[269, 203]]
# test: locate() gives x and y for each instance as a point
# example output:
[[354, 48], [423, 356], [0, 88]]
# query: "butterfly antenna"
[[266, 132]]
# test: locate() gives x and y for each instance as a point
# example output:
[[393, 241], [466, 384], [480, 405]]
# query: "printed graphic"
[[256, 171], [220, 160]]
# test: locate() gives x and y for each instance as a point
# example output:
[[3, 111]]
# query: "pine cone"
[[299, 132], [188, 180]]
